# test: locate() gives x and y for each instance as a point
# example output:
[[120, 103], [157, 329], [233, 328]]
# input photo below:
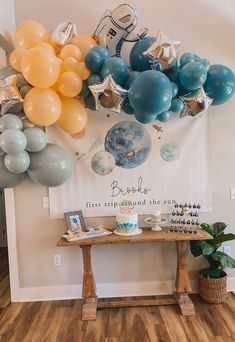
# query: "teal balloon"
[[163, 117], [145, 119], [177, 105], [173, 75], [8, 179], [175, 89], [127, 107], [115, 67], [138, 61], [197, 58], [193, 75], [130, 78], [93, 61], [27, 124], [205, 62], [150, 93], [220, 84], [94, 79], [17, 163], [10, 121], [85, 90], [36, 139], [102, 51], [13, 141], [90, 102], [186, 58], [50, 167]]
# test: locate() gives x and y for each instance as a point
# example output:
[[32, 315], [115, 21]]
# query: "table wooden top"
[[147, 236]]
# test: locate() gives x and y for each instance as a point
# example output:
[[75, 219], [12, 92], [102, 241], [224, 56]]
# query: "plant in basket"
[[213, 280]]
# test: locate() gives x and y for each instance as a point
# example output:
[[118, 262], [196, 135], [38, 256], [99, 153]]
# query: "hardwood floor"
[[60, 321], [4, 279]]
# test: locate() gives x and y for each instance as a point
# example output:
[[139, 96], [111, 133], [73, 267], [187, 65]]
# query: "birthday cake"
[[127, 222]]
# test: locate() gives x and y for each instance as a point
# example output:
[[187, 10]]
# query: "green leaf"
[[207, 228], [224, 259], [211, 273], [223, 237], [218, 227], [201, 248]]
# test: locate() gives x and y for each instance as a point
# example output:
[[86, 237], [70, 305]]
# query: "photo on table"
[[75, 221]]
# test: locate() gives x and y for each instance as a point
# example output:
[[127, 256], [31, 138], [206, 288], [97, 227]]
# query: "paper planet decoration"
[[170, 152], [129, 143], [102, 163]]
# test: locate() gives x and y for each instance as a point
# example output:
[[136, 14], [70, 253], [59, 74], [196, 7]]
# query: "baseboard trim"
[[33, 294]]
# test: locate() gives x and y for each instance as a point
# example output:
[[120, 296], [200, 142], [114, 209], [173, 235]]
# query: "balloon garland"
[[62, 73]]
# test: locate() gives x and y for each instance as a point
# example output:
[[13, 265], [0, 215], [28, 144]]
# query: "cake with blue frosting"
[[127, 224]]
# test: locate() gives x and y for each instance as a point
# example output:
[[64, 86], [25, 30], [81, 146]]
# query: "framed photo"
[[75, 221]]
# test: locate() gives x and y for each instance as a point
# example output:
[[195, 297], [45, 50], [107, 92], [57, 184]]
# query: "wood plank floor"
[[60, 321], [4, 279]]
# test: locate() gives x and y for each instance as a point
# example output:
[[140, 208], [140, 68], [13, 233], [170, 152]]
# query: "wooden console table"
[[182, 283]]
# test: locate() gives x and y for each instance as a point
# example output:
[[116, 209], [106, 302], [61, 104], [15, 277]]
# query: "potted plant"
[[213, 280]]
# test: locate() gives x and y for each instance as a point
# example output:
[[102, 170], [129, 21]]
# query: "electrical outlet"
[[228, 250], [232, 193], [45, 202], [57, 259]]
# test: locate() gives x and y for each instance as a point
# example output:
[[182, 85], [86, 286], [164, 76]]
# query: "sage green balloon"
[[1, 152], [10, 121], [8, 179], [27, 124], [50, 167], [13, 141], [36, 139], [17, 163]]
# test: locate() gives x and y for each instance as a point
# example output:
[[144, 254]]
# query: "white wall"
[[205, 28]]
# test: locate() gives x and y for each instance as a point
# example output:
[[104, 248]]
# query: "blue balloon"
[[177, 105], [220, 84], [85, 90], [150, 93], [94, 79], [205, 62], [138, 61], [175, 89], [126, 107], [93, 61], [197, 58], [132, 75], [115, 67], [193, 75], [102, 51], [145, 119], [173, 75], [90, 102], [186, 58], [163, 117]]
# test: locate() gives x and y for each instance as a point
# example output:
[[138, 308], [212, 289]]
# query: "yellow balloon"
[[71, 51], [46, 46], [42, 106], [71, 64], [83, 71], [40, 67], [70, 84], [15, 58], [29, 33], [73, 118], [84, 43]]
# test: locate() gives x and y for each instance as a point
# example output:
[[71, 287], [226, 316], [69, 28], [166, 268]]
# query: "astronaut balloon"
[[115, 27]]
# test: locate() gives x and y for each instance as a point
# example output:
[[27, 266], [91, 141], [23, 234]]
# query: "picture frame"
[[75, 221]]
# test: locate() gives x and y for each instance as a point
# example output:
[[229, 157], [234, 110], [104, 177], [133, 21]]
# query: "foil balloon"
[[108, 94], [162, 52], [115, 27], [196, 104], [63, 33], [9, 93]]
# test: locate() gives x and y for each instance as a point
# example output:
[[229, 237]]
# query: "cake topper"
[[126, 207]]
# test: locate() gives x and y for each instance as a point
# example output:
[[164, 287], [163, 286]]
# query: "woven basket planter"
[[213, 290]]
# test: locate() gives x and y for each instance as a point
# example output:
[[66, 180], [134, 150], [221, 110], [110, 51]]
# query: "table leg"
[[88, 287], [183, 286]]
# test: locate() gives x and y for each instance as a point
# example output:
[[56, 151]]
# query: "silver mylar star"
[[162, 51], [9, 93], [195, 105], [108, 94]]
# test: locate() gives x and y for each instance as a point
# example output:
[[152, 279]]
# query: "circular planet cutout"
[[170, 152], [102, 163], [129, 143]]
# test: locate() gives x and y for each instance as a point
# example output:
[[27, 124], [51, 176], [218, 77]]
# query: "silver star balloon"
[[163, 51], [108, 94], [9, 93], [63, 33], [196, 105]]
